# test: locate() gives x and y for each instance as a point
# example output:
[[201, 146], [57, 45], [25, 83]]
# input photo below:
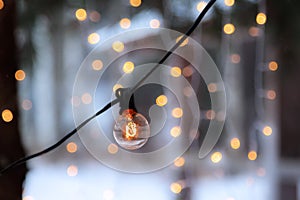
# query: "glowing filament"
[[130, 130]]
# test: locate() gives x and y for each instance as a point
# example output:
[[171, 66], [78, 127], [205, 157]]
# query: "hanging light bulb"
[[131, 130]]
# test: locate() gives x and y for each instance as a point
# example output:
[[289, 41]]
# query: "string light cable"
[[119, 98]]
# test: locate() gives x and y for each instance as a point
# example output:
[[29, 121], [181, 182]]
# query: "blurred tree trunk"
[[10, 145]]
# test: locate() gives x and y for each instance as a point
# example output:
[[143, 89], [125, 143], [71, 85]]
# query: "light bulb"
[[131, 130]]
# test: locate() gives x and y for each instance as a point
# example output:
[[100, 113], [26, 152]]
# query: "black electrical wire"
[[114, 102]]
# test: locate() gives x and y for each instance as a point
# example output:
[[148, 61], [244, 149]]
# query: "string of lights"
[[112, 103]]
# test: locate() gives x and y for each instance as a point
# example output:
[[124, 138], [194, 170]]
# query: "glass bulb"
[[131, 130]]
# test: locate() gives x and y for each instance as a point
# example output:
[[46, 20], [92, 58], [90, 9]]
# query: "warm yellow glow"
[[212, 87], [175, 71], [86, 98], [20, 75], [229, 29], [112, 148], [28, 198], [177, 112], [185, 42], [267, 131], [273, 66], [131, 130], [26, 104], [1, 4], [176, 188], [179, 162], [128, 67], [117, 86], [93, 38], [80, 14], [71, 147], [97, 65], [154, 23], [161, 100], [210, 114], [261, 18], [235, 143], [118, 46], [254, 31], [235, 58], [252, 155], [216, 157], [175, 131], [229, 2], [72, 170], [94, 16], [7, 115], [187, 71], [125, 23], [135, 3], [201, 5], [271, 94]]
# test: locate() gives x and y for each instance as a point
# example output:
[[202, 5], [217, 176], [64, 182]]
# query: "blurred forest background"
[[255, 44]]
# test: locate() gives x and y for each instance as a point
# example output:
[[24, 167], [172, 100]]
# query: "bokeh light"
[[177, 112], [95, 16], [235, 58], [235, 143], [71, 147], [185, 42], [216, 157], [93, 38], [86, 98], [125, 23], [7, 115], [212, 87], [201, 5], [154, 23], [72, 170], [175, 188], [117, 86], [229, 2], [161, 100], [1, 4], [261, 18], [179, 162], [80, 14], [175, 131], [97, 65], [271, 94], [229, 29], [118, 46], [273, 66], [128, 67], [135, 3], [252, 155], [187, 71], [175, 71], [267, 131], [112, 148], [20, 75], [254, 31]]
